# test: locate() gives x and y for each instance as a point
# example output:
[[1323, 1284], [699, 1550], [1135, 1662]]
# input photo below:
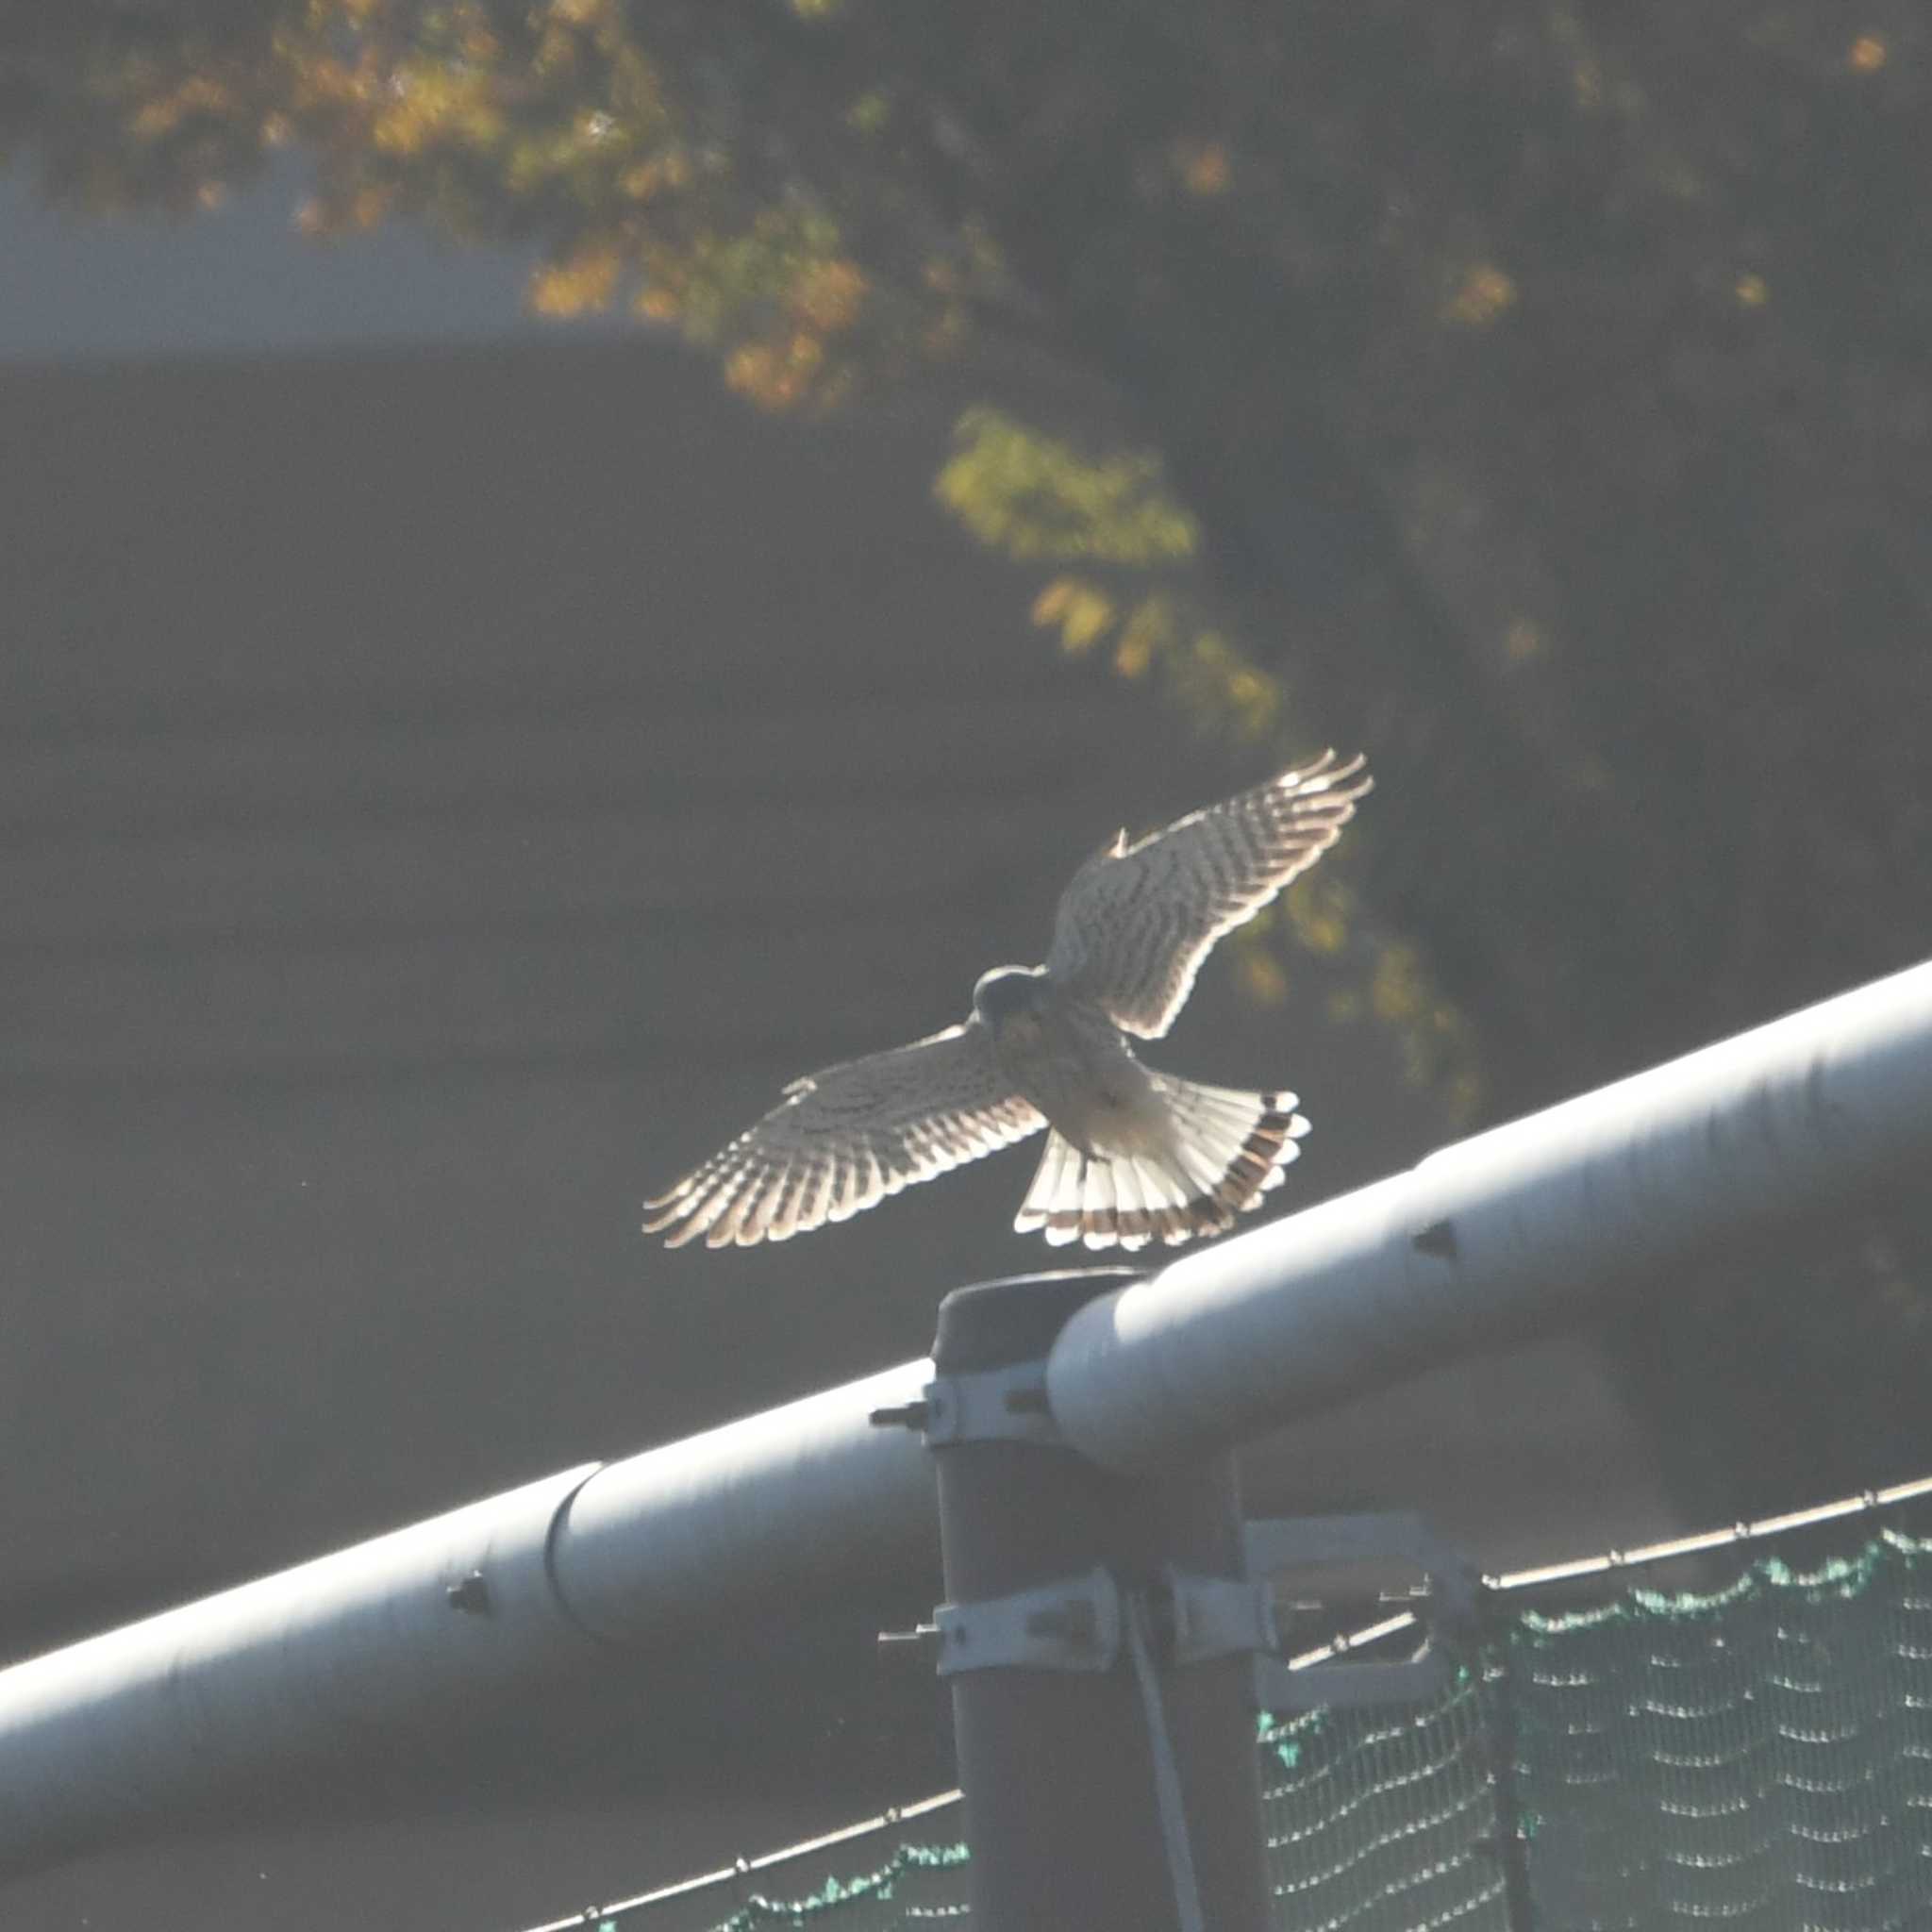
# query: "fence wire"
[[1757, 1755]]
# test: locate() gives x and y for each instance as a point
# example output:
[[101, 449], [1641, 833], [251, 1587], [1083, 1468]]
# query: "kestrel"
[[1132, 1155]]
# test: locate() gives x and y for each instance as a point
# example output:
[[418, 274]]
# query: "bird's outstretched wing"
[[845, 1138], [1137, 921]]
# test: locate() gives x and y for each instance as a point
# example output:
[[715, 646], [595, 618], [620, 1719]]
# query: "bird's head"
[[1006, 992]]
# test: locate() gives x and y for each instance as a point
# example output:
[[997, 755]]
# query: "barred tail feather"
[[1226, 1150]]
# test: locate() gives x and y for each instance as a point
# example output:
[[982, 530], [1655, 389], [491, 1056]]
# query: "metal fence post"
[[1056, 1763]]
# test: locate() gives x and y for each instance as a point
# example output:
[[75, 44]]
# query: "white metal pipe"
[[1504, 1236], [799, 1505], [158, 1722]]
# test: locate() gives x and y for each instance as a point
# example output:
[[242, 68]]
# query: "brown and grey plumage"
[[1132, 1155]]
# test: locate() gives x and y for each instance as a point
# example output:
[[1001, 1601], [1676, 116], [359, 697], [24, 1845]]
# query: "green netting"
[[1761, 1758], [1383, 1821], [919, 1885], [886, 1881], [1758, 1758]]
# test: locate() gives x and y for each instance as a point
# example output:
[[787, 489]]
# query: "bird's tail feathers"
[[1226, 1151]]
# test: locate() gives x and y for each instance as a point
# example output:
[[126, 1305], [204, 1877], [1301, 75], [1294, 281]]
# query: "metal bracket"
[[1007, 1404], [1217, 1616], [1079, 1622], [1451, 1609], [1075, 1624], [1418, 1679]]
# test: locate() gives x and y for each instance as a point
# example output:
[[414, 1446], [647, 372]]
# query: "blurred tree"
[[1544, 381]]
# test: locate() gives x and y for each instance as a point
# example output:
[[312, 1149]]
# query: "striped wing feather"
[[843, 1138], [1137, 921]]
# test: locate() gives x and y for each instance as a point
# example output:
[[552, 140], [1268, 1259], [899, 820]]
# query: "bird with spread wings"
[[1132, 1155]]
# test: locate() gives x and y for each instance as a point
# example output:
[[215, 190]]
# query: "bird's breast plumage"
[[1072, 1062]]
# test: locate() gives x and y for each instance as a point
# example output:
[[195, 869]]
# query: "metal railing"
[[1516, 1232]]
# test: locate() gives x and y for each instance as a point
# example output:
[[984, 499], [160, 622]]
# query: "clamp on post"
[[1005, 1405], [1075, 1624], [1078, 1623]]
